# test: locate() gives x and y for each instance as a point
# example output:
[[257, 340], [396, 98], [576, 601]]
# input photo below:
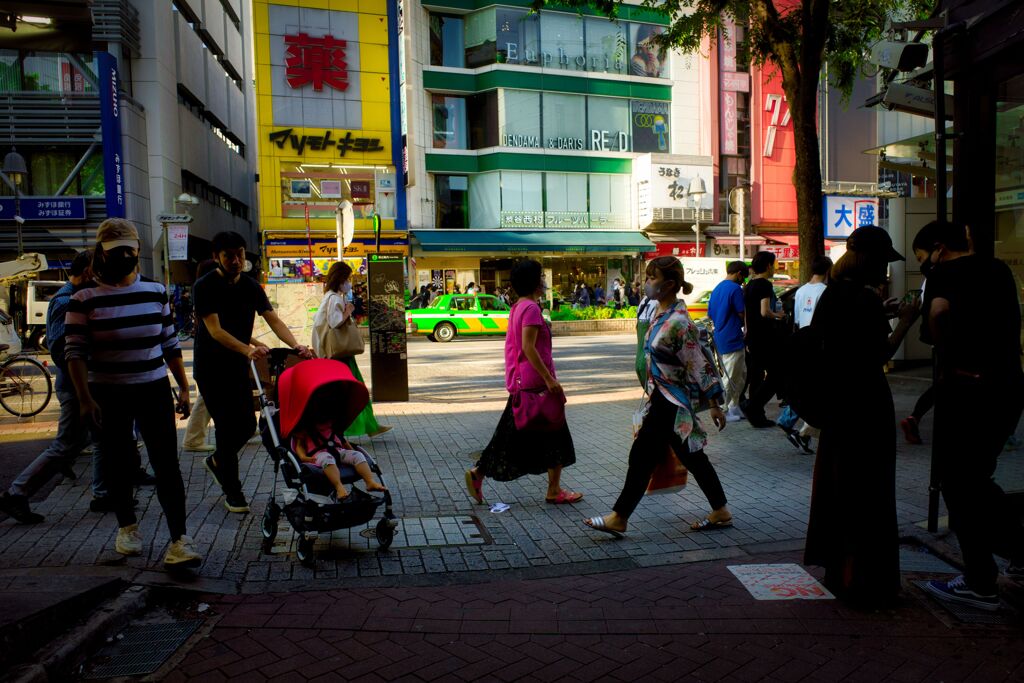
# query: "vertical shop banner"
[[773, 149], [730, 137], [389, 364], [177, 242], [110, 128]]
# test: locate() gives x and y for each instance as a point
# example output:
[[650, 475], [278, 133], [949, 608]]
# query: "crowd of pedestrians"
[[113, 342]]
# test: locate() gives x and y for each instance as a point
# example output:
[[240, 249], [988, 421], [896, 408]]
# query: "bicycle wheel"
[[25, 386]]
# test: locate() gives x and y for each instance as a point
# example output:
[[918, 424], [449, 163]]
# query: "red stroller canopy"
[[296, 386]]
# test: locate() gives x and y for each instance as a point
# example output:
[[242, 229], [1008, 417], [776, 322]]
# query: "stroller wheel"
[[305, 551], [269, 524], [386, 533]]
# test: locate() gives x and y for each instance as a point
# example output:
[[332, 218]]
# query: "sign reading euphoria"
[[322, 143], [316, 61]]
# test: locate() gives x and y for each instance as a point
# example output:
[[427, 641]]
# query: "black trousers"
[[764, 376], [970, 433], [150, 407], [656, 434], [229, 400]]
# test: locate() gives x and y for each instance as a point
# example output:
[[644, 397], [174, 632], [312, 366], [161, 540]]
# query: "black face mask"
[[927, 267], [116, 265]]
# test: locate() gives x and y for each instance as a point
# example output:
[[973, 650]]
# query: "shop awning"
[[532, 240]]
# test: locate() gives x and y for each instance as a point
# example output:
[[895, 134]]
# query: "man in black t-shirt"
[[973, 314], [760, 305], [226, 306]]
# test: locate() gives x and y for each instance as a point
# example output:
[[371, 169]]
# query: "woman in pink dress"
[[528, 366]]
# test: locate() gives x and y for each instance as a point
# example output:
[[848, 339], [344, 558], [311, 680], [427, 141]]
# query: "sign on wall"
[[177, 242], [328, 142], [670, 185], [316, 61], [44, 208], [773, 195], [110, 129], [650, 123], [843, 215]]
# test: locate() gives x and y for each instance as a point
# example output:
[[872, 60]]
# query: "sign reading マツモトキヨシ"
[[325, 142]]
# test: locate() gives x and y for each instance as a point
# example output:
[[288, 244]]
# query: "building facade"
[[325, 106], [120, 106], [553, 135]]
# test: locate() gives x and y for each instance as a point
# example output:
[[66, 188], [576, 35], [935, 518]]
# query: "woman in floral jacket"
[[678, 375]]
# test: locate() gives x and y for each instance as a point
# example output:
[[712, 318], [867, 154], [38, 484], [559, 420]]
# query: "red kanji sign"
[[317, 61]]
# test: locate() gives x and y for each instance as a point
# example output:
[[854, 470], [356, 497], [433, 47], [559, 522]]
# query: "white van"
[[37, 301]]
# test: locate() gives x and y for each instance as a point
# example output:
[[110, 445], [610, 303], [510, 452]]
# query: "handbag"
[[537, 410], [669, 475], [340, 342]]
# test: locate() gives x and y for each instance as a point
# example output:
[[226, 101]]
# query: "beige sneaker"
[[129, 540], [182, 553], [200, 448]]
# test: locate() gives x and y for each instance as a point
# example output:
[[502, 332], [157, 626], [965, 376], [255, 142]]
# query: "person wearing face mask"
[[979, 397], [226, 304], [120, 341], [529, 366], [335, 309], [852, 531], [676, 369]]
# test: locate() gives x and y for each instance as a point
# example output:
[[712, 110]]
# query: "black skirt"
[[513, 453]]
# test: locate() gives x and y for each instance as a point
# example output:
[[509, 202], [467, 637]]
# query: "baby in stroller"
[[316, 442]]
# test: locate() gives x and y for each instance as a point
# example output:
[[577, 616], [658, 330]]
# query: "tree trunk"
[[803, 107]]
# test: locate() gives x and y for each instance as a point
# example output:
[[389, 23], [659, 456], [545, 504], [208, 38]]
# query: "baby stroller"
[[314, 509]]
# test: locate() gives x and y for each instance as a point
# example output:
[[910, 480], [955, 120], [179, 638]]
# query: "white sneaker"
[[182, 553], [734, 414], [129, 540]]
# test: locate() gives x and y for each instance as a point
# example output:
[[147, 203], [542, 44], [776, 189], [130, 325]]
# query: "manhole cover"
[[141, 649], [412, 532], [968, 615]]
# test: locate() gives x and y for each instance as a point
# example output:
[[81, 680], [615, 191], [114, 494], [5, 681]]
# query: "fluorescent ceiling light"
[[46, 21]]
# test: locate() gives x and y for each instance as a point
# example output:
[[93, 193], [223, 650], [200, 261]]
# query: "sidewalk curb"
[[55, 661]]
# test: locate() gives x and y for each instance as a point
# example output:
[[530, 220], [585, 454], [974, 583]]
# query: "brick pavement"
[[423, 457], [683, 622]]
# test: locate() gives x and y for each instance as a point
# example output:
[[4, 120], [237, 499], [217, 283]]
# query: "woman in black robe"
[[852, 531]]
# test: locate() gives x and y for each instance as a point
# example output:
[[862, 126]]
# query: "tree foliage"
[[797, 37]]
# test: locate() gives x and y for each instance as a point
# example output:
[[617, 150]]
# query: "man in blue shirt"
[[726, 310]]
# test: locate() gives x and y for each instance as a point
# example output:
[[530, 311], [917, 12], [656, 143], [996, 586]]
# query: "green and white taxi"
[[454, 315]]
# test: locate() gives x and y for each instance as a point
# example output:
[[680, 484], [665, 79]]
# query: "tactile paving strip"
[[921, 561], [411, 532], [141, 649]]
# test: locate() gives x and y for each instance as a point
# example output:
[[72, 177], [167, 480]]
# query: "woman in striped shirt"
[[120, 342]]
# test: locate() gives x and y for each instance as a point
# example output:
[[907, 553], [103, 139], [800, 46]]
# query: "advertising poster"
[[301, 188], [177, 242], [648, 59], [650, 124], [388, 355]]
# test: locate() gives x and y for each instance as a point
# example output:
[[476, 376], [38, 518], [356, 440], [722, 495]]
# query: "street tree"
[[797, 37]]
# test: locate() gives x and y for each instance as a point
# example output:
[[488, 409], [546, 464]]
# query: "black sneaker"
[[212, 469], [236, 502], [757, 421], [958, 591], [17, 508], [805, 444], [792, 436], [143, 478]]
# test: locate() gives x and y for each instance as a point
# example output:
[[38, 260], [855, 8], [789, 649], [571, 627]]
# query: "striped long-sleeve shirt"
[[123, 333]]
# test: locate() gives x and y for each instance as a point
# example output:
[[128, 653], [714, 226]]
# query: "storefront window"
[[521, 119], [1009, 171], [10, 71], [565, 121], [451, 196], [481, 38], [447, 43], [482, 112], [647, 59], [562, 37], [609, 201], [522, 199], [565, 200], [449, 117], [518, 37], [607, 45], [321, 187], [484, 200], [608, 124]]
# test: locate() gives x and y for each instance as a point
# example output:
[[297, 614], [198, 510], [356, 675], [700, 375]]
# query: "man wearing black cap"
[[978, 402]]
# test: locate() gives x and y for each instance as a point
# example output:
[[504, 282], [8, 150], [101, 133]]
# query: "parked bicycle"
[[25, 384]]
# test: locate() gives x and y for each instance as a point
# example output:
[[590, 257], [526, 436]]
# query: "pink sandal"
[[565, 498]]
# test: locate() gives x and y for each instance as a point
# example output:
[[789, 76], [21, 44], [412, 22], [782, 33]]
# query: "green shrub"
[[592, 313]]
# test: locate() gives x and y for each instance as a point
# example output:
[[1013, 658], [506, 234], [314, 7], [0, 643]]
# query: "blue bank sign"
[[44, 208], [110, 125]]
